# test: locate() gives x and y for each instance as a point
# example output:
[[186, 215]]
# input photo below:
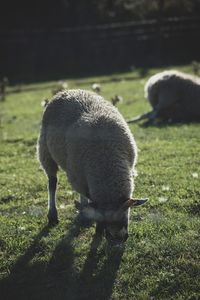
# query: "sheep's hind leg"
[[84, 220], [50, 167], [84, 201], [149, 116], [52, 211]]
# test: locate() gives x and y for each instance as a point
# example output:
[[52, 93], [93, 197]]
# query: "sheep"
[[96, 87], [44, 102], [61, 86], [89, 139], [3, 86], [116, 99], [174, 96], [195, 67]]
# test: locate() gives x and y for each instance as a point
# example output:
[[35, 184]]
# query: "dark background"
[[42, 40]]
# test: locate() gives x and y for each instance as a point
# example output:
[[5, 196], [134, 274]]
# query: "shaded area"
[[61, 13], [23, 279], [59, 279], [149, 119], [38, 281], [194, 208], [98, 275], [79, 82], [162, 124], [38, 55]]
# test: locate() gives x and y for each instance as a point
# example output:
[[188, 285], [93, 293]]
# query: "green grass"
[[161, 259]]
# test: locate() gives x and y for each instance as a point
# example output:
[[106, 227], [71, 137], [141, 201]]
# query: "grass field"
[[161, 258]]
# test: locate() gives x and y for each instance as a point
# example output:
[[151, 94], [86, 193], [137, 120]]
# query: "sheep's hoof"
[[53, 219], [53, 223]]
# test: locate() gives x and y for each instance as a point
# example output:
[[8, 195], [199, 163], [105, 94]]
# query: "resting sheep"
[[174, 96], [89, 139]]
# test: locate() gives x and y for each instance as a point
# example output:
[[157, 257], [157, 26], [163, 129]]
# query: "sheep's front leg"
[[83, 215], [84, 201], [52, 211], [100, 228]]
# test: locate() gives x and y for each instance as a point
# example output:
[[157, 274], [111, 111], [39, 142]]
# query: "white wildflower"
[[162, 199], [22, 228], [165, 188], [195, 175]]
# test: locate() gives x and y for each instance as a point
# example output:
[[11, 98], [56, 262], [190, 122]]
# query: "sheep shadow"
[[30, 277], [94, 281], [147, 120], [163, 124], [97, 278], [59, 279], [23, 277]]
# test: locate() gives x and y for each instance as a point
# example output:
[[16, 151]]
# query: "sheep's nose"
[[116, 239]]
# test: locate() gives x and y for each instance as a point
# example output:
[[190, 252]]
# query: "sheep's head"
[[116, 227], [112, 223]]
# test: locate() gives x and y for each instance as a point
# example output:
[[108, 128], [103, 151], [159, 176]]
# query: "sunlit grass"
[[161, 259]]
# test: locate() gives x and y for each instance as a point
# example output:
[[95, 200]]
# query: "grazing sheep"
[[96, 87], [174, 96], [196, 68], [89, 139], [3, 86], [44, 102], [116, 99], [61, 86]]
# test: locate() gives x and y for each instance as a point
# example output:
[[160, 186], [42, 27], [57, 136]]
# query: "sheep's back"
[[67, 106], [177, 86], [84, 113], [83, 131], [100, 155]]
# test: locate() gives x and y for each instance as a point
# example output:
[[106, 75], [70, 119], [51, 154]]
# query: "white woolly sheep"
[[89, 139], [116, 99], [96, 87], [61, 86], [173, 96]]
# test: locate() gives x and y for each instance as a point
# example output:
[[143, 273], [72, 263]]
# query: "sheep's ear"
[[138, 202], [133, 202]]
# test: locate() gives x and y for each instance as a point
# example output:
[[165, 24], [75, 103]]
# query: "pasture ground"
[[161, 259]]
